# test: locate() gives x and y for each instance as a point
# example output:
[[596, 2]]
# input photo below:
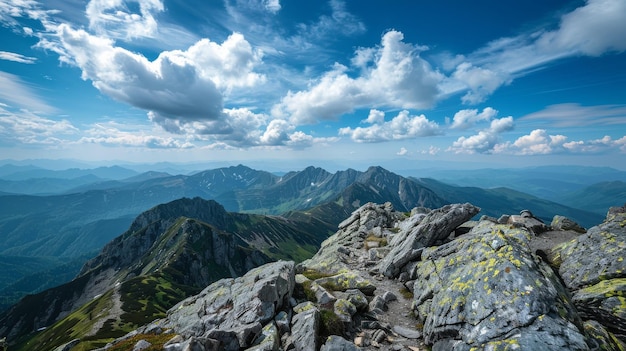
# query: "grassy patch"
[[330, 324], [406, 293], [157, 342], [308, 292], [314, 274]]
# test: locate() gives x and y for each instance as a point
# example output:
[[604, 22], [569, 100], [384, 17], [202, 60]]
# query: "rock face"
[[429, 280], [487, 289], [238, 307], [593, 267], [435, 227]]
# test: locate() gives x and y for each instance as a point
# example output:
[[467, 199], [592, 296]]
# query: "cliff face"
[[431, 279]]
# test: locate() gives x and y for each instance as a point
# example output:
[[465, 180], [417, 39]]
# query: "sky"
[[402, 83]]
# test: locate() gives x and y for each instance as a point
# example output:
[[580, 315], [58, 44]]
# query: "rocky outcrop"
[[239, 307], [389, 280], [593, 267], [436, 226], [487, 289]]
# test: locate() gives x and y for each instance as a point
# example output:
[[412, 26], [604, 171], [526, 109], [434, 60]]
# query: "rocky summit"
[[424, 280]]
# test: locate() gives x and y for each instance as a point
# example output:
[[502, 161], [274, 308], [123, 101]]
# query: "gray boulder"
[[304, 330], [235, 307], [486, 290], [369, 219], [565, 223], [337, 343], [593, 266], [436, 226]]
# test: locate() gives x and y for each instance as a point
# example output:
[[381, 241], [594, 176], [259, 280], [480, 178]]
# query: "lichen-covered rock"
[[528, 221], [351, 235], [337, 343], [583, 266], [239, 306], [486, 290], [565, 223], [269, 340], [344, 310], [346, 281], [437, 225], [605, 302], [593, 266], [304, 330], [601, 339]]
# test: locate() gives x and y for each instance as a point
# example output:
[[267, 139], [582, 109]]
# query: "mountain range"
[[71, 226]]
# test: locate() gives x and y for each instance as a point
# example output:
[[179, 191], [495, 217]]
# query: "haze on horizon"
[[341, 83]]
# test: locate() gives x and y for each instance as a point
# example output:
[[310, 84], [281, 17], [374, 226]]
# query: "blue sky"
[[498, 83]]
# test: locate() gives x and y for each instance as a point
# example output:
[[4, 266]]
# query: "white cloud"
[[339, 21], [596, 28], [486, 140], [109, 135], [576, 115], [403, 152], [603, 144], [403, 126], [238, 7], [540, 142], [186, 85], [432, 150], [25, 127], [374, 117], [394, 76], [593, 29], [15, 57], [114, 18], [465, 119], [480, 82], [14, 92]]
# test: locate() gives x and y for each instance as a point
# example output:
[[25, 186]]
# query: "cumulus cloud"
[[486, 140], [15, 57], [540, 142], [178, 85], [109, 135], [114, 18], [403, 151], [465, 119], [391, 75], [403, 126]]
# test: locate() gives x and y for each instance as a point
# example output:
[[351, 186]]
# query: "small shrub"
[[313, 274], [330, 324], [308, 292]]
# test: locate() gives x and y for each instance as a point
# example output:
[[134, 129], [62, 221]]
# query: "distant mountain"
[[498, 201], [597, 198], [168, 253], [546, 182], [113, 172], [45, 186]]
